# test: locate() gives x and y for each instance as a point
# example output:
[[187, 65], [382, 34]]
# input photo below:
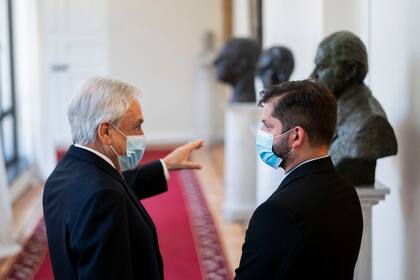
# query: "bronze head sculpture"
[[236, 65], [275, 66], [363, 133]]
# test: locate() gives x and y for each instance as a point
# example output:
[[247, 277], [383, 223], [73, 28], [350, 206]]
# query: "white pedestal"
[[368, 198], [268, 180], [240, 163]]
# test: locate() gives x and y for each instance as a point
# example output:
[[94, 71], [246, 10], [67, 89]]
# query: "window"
[[8, 125]]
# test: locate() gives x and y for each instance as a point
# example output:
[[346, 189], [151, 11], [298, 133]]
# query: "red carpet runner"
[[188, 238]]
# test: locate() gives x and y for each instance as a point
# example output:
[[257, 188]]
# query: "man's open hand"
[[180, 157]]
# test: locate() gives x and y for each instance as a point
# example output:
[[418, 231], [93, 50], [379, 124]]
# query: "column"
[[240, 161], [369, 196]]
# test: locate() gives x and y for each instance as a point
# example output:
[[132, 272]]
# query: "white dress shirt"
[[107, 159], [302, 163]]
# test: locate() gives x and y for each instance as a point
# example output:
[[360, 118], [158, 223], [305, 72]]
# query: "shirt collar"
[[104, 157], [302, 163]]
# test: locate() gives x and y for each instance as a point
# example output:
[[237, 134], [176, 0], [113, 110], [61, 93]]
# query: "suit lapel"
[[85, 155], [138, 204]]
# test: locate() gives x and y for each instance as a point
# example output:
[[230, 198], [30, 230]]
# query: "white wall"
[[297, 25], [395, 71], [74, 48], [241, 18], [347, 15], [154, 45]]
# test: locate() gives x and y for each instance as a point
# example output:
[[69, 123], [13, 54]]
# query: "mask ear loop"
[[288, 153], [115, 152], [117, 129], [291, 149], [284, 133], [107, 131]]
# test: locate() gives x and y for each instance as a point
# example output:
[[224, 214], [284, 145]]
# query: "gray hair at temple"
[[101, 100], [344, 46]]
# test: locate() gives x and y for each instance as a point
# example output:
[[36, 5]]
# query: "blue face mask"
[[265, 148], [136, 145]]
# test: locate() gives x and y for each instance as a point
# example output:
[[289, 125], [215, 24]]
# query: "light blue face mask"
[[265, 148], [136, 145]]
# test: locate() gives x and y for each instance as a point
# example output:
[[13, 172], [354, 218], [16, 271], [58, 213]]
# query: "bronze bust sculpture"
[[363, 133], [275, 66], [236, 65]]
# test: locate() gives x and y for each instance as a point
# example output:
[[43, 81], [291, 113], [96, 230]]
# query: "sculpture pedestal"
[[368, 198], [240, 161]]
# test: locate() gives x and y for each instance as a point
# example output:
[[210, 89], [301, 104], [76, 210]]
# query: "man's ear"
[[298, 136], [104, 134]]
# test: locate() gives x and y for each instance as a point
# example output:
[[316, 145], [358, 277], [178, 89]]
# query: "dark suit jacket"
[[96, 226], [310, 228]]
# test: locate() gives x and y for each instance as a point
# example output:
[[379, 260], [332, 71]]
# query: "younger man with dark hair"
[[311, 226]]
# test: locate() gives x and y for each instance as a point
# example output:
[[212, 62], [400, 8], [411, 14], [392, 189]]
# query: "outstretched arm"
[[150, 179]]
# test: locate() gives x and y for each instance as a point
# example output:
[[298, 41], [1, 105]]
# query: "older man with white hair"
[[96, 226]]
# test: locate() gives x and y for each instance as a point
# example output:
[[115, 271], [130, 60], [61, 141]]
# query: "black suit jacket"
[[310, 228], [96, 226]]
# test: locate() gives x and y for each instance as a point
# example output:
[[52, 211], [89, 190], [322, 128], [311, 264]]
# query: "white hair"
[[101, 100]]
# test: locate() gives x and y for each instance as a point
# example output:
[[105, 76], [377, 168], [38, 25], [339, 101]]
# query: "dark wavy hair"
[[308, 104]]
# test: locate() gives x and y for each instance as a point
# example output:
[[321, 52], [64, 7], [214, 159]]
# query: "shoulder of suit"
[[84, 179]]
